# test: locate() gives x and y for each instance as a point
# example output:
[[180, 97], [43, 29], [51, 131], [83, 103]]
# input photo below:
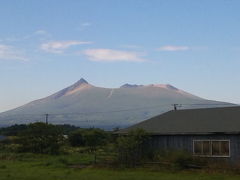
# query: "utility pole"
[[46, 118], [175, 106]]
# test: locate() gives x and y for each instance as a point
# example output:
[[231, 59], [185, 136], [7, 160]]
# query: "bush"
[[13, 148], [89, 137], [13, 130], [41, 138], [94, 138], [76, 138], [178, 159], [132, 148]]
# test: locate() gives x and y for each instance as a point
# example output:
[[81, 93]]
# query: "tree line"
[[42, 138], [129, 150]]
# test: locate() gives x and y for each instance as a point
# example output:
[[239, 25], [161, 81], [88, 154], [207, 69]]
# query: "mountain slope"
[[84, 105]]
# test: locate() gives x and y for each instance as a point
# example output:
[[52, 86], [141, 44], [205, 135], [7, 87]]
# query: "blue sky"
[[48, 45]]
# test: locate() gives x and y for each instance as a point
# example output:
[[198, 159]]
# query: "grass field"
[[43, 167]]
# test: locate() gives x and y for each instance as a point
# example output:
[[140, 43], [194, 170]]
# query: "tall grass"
[[79, 166]]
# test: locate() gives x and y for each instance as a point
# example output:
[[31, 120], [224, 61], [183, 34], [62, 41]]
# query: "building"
[[3, 138], [209, 132]]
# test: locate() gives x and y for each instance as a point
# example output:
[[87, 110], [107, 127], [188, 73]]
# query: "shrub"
[[89, 137], [178, 159], [13, 148], [132, 148], [41, 138], [94, 138], [76, 138]]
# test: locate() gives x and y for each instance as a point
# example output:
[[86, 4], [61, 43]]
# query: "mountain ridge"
[[71, 103]]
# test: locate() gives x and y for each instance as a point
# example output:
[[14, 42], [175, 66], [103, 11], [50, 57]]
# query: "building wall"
[[185, 142]]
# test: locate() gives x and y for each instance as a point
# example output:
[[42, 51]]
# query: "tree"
[[41, 138], [132, 148], [76, 138], [94, 138], [13, 130], [88, 137], [91, 138]]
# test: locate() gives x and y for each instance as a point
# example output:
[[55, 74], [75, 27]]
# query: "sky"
[[46, 46]]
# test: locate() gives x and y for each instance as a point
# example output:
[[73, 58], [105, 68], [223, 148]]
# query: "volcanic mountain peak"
[[76, 87], [81, 81], [132, 103], [130, 85], [165, 86]]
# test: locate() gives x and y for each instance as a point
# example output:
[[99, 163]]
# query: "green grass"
[[45, 167]]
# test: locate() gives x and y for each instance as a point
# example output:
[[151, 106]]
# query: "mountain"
[[86, 105], [130, 85]]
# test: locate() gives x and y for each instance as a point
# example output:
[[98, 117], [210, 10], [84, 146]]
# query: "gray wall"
[[185, 142]]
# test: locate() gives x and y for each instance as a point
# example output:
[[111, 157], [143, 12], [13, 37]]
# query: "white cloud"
[[85, 24], [60, 46], [173, 48], [11, 53], [110, 55], [41, 32]]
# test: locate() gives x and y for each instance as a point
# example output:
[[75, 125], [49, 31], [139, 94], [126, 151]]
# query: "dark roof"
[[193, 121], [2, 138]]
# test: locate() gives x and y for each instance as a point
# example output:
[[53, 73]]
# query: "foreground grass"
[[40, 167]]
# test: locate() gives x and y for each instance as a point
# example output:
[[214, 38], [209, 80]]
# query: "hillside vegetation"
[[44, 152]]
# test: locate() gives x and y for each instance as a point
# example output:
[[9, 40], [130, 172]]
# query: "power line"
[[95, 112], [116, 111], [211, 104], [46, 118]]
